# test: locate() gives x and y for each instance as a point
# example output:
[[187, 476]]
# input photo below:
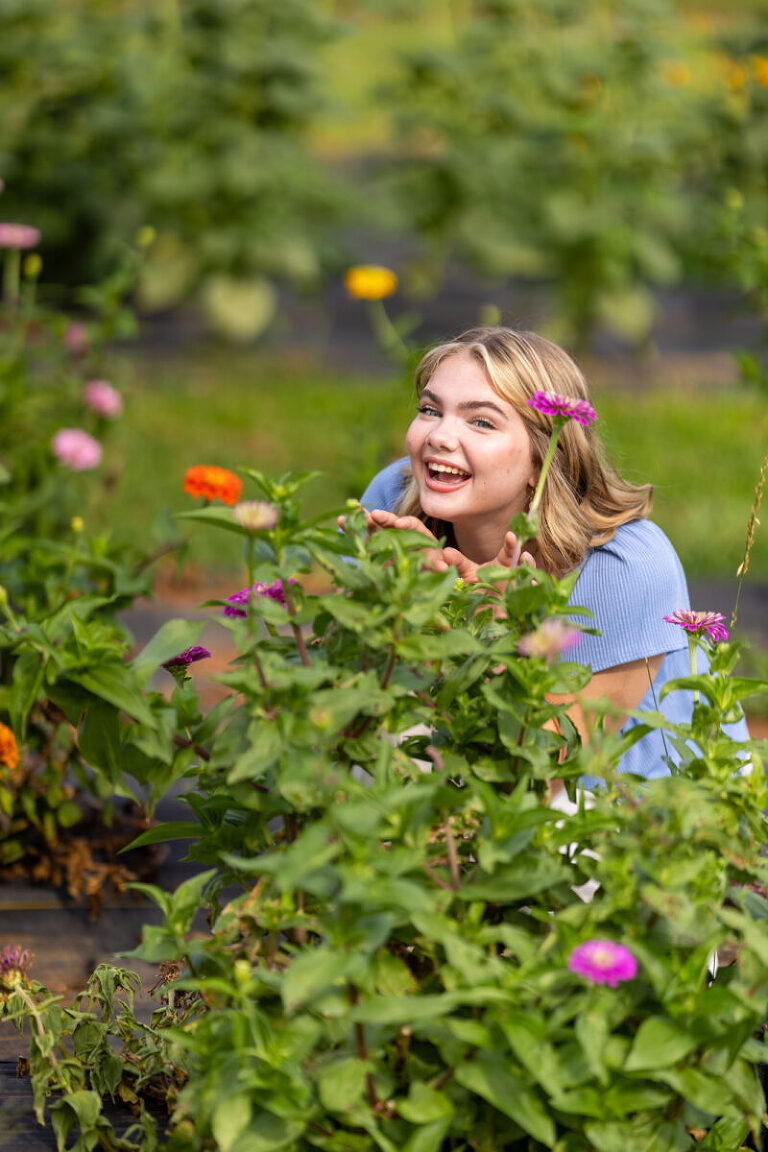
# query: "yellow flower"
[[676, 73], [9, 750], [370, 282], [760, 69], [735, 75], [76, 524]]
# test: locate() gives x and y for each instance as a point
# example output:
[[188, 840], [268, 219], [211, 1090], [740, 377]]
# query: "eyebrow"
[[466, 405]]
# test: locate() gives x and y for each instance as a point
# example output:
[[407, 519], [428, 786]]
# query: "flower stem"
[[11, 277], [387, 335], [557, 426], [694, 669]]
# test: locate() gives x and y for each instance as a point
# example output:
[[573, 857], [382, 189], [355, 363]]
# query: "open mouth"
[[444, 477]]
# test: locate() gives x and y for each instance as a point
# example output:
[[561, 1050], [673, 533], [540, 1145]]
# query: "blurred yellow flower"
[[760, 69], [370, 282], [735, 75], [676, 73], [33, 266], [9, 752], [76, 524]]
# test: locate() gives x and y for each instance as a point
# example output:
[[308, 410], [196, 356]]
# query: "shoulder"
[[629, 585], [387, 486]]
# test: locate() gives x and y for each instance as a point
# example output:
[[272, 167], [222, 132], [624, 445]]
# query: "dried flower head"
[[14, 961], [562, 407], [76, 449], [19, 236], [700, 624], [603, 962], [237, 603], [256, 515], [103, 399], [9, 749], [213, 483], [551, 639], [370, 282]]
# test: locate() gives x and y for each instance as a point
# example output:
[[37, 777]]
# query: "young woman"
[[475, 450]]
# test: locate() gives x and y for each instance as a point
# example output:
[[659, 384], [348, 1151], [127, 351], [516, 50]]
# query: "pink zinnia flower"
[[19, 236], [603, 962], [76, 338], [700, 623], [550, 640], [274, 591], [256, 515], [76, 449], [562, 407], [103, 399]]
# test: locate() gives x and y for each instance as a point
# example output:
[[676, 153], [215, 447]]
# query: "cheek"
[[413, 438]]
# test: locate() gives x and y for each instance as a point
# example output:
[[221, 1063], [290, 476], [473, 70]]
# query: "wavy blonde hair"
[[584, 499]]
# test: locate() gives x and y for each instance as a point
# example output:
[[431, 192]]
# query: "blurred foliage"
[[587, 146], [189, 118]]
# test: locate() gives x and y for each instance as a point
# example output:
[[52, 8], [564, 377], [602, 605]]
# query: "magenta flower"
[[14, 961], [76, 449], [551, 639], [699, 624], [187, 657], [76, 338], [274, 591], [562, 407], [19, 236], [103, 399], [603, 962]]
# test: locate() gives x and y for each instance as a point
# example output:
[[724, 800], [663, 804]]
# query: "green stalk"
[[694, 669], [557, 427], [11, 276]]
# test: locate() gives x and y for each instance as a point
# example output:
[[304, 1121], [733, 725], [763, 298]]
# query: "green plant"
[[398, 970]]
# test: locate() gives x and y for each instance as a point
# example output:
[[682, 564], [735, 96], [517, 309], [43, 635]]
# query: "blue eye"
[[481, 422], [427, 410]]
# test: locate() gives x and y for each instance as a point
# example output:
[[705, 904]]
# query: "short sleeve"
[[387, 486], [629, 585]]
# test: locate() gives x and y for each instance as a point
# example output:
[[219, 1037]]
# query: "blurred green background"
[[602, 154]]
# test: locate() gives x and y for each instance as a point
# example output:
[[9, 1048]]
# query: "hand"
[[508, 557]]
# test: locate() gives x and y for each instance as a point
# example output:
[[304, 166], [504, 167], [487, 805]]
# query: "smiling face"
[[470, 455]]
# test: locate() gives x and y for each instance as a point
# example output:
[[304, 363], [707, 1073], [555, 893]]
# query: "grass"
[[701, 445]]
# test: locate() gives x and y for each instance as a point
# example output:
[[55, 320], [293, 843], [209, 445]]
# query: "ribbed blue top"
[[629, 585]]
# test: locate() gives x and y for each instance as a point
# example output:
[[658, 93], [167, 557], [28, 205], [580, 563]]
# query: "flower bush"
[[408, 948]]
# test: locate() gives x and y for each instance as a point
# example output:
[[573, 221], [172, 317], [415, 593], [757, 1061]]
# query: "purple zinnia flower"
[[19, 236], [14, 961], [603, 962], [274, 591], [103, 399], [699, 623], [550, 640], [76, 449], [187, 657], [562, 407]]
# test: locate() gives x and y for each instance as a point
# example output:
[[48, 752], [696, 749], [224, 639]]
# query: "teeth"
[[447, 468]]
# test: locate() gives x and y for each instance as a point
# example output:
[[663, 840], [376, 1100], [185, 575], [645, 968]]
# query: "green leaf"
[[173, 637], [341, 1084], [231, 1117], [116, 684], [99, 738], [489, 1077], [425, 1104], [659, 1042], [310, 973], [173, 830], [25, 688], [429, 1137]]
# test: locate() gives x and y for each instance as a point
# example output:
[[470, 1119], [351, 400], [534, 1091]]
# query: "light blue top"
[[629, 585]]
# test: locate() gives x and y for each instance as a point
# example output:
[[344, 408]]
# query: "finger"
[[509, 554], [466, 568], [380, 518], [413, 524], [526, 558]]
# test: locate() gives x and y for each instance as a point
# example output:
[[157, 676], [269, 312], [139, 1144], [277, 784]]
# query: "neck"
[[481, 544]]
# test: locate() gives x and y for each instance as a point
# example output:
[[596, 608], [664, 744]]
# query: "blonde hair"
[[584, 499]]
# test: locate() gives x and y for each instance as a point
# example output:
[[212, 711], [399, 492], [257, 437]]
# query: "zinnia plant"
[[213, 483], [603, 962], [76, 449]]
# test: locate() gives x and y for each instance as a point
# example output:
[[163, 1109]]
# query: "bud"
[[33, 266], [3, 597], [146, 236], [242, 971]]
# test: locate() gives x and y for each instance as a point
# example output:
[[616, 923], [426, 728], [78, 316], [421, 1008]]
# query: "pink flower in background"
[[19, 236], [14, 961], [103, 399], [551, 639], [76, 338], [700, 623], [76, 449], [603, 962], [562, 407]]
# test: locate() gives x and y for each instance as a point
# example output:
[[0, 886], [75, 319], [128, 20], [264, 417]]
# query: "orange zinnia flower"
[[213, 483], [370, 282], [9, 749]]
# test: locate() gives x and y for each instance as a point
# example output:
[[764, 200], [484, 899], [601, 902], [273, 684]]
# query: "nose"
[[443, 434]]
